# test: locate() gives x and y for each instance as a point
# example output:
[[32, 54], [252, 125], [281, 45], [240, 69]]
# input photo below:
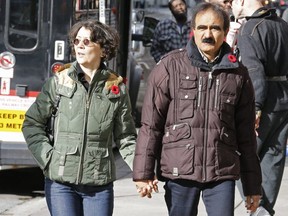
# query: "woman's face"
[[87, 52]]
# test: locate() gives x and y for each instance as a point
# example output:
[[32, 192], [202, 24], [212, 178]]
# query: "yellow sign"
[[11, 120]]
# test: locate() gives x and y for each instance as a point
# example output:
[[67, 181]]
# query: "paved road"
[[128, 203]]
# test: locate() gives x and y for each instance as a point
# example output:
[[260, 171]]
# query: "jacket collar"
[[263, 12], [101, 74], [223, 62]]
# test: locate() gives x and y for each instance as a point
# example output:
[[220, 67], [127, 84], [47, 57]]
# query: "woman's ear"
[[103, 54]]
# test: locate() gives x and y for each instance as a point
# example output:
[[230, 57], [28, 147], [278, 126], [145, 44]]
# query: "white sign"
[[102, 11], [5, 86], [8, 73], [15, 102]]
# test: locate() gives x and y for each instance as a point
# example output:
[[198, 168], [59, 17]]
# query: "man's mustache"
[[208, 40]]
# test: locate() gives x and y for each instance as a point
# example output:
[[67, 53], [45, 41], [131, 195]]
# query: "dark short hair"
[[105, 36], [171, 1], [218, 9]]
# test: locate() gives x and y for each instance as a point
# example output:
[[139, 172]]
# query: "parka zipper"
[[84, 140], [216, 93], [206, 120], [200, 85], [176, 95]]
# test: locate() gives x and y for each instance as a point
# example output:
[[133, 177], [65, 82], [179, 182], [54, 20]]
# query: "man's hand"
[[146, 187], [252, 203], [257, 121]]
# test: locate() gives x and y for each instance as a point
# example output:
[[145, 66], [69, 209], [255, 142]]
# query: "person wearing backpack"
[[94, 111]]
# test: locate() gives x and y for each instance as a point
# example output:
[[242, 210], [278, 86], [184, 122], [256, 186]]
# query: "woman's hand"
[[146, 187]]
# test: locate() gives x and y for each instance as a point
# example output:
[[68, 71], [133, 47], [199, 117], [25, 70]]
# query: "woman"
[[94, 104]]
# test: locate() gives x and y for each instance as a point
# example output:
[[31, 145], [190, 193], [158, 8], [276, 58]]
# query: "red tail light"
[[56, 67]]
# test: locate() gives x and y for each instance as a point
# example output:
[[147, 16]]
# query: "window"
[[22, 17]]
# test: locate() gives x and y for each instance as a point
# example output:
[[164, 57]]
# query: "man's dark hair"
[[205, 6]]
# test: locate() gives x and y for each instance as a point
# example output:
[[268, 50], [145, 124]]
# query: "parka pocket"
[[65, 157], [227, 154], [101, 108], [98, 161], [186, 104], [187, 81], [228, 160], [227, 103], [228, 137], [64, 162], [72, 107], [177, 158], [227, 109], [177, 132]]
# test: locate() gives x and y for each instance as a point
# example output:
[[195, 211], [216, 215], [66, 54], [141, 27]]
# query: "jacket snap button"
[[228, 101], [186, 96], [187, 77]]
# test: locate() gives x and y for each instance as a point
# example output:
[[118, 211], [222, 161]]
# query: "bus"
[[33, 44]]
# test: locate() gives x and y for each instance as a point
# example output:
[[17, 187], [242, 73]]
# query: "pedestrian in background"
[[94, 108], [171, 34], [226, 4], [263, 45], [198, 122]]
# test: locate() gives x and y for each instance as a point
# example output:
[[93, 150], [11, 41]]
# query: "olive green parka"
[[86, 124]]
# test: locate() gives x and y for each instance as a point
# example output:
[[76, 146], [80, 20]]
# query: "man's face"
[[178, 7], [209, 33], [237, 9]]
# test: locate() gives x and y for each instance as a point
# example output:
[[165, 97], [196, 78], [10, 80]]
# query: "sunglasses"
[[86, 42]]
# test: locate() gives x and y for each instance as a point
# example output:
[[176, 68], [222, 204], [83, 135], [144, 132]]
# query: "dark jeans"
[[182, 197], [272, 140], [74, 200]]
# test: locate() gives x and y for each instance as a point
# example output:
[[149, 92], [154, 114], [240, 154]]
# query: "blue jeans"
[[79, 200], [182, 197]]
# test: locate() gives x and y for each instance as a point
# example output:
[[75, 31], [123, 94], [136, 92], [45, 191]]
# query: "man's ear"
[[226, 32]]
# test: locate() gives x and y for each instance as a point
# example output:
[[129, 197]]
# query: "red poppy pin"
[[115, 89], [232, 58]]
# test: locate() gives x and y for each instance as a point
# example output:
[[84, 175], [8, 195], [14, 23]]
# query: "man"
[[226, 4], [262, 42], [234, 26], [198, 124], [169, 34]]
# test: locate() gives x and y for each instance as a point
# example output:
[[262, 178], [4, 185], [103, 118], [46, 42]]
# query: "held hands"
[[252, 203], [146, 187]]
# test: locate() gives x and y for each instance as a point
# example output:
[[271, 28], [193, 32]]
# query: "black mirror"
[[137, 16], [150, 24]]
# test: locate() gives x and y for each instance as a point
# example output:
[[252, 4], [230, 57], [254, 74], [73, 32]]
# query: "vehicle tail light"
[[56, 67]]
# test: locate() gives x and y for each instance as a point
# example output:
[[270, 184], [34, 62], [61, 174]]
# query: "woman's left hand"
[[146, 187]]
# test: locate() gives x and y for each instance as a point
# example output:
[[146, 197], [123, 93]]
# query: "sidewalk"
[[128, 203]]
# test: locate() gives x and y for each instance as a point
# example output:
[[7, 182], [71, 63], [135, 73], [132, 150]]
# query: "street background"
[[127, 201]]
